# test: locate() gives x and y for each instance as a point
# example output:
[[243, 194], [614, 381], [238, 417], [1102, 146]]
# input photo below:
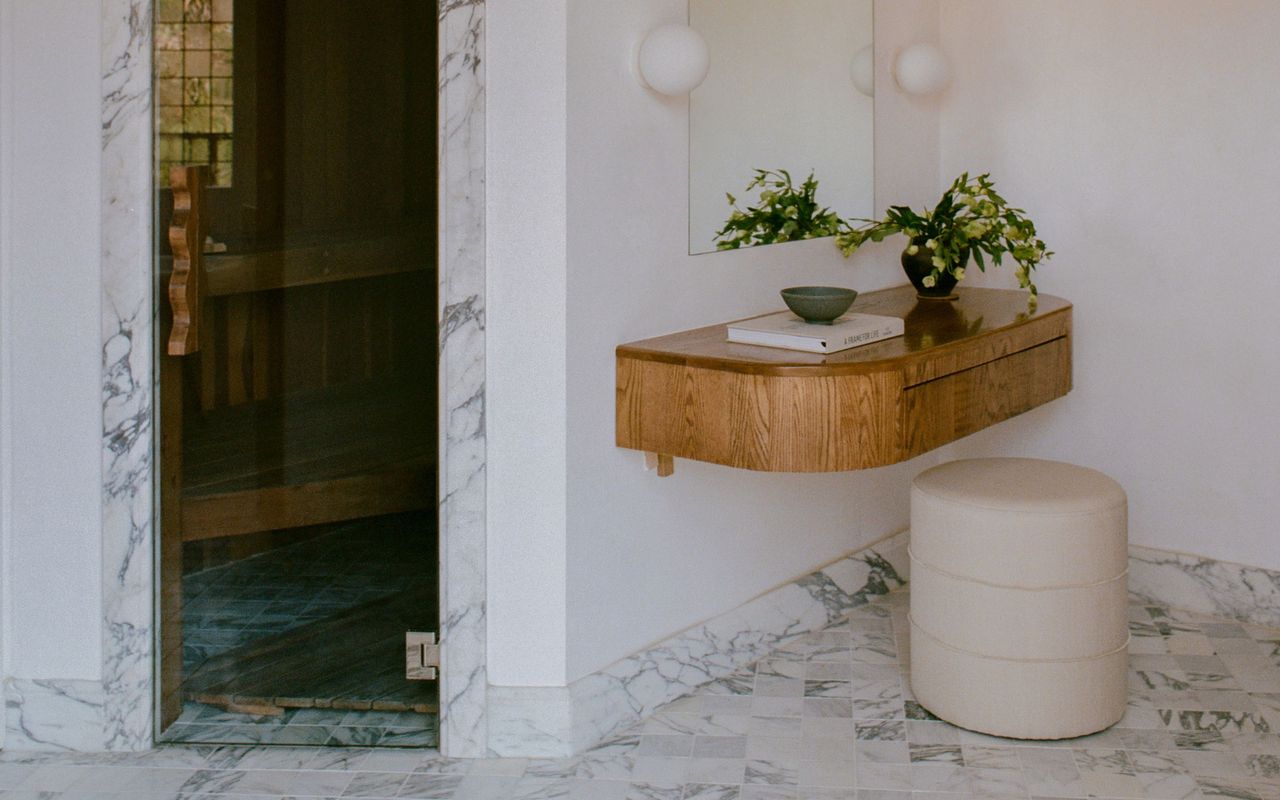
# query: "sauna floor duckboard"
[[304, 644]]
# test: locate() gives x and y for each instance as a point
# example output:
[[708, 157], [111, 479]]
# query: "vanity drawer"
[[942, 410]]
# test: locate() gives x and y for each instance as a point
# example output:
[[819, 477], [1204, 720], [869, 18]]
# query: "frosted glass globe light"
[[922, 69], [673, 59], [863, 71]]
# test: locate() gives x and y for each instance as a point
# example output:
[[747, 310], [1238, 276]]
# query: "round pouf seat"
[[1018, 597]]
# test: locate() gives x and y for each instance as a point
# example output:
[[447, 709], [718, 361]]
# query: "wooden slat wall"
[[266, 344]]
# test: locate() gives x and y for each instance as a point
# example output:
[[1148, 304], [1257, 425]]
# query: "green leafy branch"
[[783, 213], [970, 222]]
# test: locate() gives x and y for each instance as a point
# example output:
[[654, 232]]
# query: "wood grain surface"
[[960, 367], [981, 322], [186, 239]]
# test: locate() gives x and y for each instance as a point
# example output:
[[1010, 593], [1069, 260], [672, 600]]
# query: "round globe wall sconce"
[[673, 60], [922, 70], [862, 71]]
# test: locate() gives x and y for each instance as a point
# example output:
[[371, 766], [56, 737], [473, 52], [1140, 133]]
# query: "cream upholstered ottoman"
[[1018, 597]]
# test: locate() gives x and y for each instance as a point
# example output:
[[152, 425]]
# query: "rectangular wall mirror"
[[779, 95]]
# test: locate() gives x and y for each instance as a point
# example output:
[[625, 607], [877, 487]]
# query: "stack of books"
[[786, 330]]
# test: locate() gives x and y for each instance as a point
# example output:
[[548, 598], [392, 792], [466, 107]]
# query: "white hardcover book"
[[786, 330]]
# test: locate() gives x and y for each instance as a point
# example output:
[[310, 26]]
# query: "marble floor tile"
[[11, 775], [375, 784], [428, 785], [830, 718]]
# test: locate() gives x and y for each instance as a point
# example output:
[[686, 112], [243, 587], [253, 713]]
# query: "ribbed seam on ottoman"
[[955, 649], [1020, 511], [966, 578]]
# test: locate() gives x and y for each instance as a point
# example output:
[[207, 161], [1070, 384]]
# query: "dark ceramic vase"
[[920, 266]]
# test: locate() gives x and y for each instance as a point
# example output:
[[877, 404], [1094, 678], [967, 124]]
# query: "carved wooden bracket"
[[186, 239]]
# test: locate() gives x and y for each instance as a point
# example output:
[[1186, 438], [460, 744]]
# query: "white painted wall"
[[637, 558], [6, 159], [646, 556], [525, 327], [50, 406], [1142, 137], [796, 56]]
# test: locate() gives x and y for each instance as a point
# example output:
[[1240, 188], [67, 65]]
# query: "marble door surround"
[[118, 712]]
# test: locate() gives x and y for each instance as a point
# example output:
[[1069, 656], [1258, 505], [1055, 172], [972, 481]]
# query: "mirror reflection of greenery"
[[785, 212], [971, 222]]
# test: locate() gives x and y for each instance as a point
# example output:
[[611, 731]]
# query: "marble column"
[[462, 369], [127, 375]]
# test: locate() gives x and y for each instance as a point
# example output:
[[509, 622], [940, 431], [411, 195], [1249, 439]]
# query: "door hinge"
[[421, 656]]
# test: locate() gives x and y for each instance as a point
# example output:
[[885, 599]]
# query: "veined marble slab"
[[54, 715], [1196, 583], [128, 379], [557, 721], [464, 679]]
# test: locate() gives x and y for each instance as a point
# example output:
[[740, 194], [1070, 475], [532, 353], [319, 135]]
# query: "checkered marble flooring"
[[829, 716]]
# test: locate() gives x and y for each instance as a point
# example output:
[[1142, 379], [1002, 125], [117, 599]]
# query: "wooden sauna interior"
[[299, 391]]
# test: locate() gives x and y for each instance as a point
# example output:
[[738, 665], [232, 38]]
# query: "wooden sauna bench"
[[315, 259], [307, 458], [298, 383]]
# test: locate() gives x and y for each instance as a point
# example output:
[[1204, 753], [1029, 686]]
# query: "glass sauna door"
[[296, 213]]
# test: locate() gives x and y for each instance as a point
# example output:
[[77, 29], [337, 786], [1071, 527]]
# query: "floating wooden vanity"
[[962, 366]]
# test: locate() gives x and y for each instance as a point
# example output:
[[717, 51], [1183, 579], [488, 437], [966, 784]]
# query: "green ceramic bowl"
[[818, 305]]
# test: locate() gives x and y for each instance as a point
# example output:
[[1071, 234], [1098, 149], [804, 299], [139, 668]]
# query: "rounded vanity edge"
[[639, 351]]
